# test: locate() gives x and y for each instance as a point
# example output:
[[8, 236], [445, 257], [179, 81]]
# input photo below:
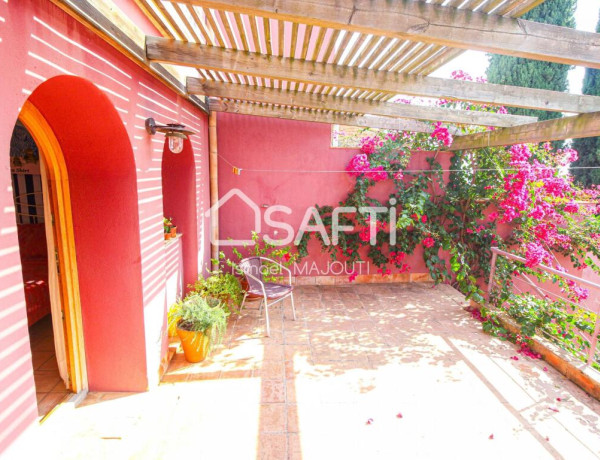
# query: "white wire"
[[344, 171]]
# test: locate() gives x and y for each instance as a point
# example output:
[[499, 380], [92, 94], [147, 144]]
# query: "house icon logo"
[[212, 213]]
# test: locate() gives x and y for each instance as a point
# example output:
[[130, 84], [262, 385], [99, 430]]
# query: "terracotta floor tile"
[[290, 391], [292, 418], [272, 390], [270, 370], [272, 446], [361, 352], [273, 418]]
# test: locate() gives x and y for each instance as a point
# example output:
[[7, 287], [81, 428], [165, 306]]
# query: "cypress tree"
[[589, 147], [508, 70]]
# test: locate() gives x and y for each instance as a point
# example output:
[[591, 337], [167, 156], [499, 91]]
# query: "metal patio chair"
[[266, 291]]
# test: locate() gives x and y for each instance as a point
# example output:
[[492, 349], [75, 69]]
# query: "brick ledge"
[[360, 279], [583, 375]]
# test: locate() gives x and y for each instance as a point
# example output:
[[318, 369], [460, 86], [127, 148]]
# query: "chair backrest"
[[252, 266]]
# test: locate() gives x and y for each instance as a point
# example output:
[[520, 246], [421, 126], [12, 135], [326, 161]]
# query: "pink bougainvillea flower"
[[384, 272], [352, 276], [428, 242], [424, 219], [545, 369], [370, 421], [368, 145], [492, 216], [570, 155], [286, 257], [398, 175], [442, 134], [519, 153], [359, 164], [399, 415], [572, 207], [461, 75], [535, 254], [558, 399], [491, 436], [377, 174]]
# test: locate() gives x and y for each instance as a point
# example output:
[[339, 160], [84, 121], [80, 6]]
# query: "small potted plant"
[[167, 224], [201, 325], [220, 285]]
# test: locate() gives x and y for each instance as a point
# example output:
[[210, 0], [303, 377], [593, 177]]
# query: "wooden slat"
[[214, 27], [153, 17], [420, 21], [336, 118], [255, 36], [332, 39], [374, 57], [179, 8], [208, 57], [294, 40], [169, 19], [584, 125], [344, 104], [242, 32], [108, 28], [318, 44], [267, 31], [210, 39], [306, 42]]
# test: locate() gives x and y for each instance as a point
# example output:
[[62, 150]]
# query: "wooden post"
[[492, 273], [214, 187]]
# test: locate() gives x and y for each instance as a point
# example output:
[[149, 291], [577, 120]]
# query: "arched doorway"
[[93, 192]]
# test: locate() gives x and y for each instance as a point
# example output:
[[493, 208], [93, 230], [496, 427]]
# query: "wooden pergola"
[[343, 61]]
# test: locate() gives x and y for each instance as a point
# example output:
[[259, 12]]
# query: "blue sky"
[[475, 62]]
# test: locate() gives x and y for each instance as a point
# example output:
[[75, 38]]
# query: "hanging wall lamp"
[[175, 132]]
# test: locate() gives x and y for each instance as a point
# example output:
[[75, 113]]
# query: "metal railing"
[[593, 337]]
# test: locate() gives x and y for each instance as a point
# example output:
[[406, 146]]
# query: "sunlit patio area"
[[367, 371]]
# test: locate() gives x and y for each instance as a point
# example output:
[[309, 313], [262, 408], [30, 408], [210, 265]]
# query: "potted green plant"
[[220, 285], [201, 325]]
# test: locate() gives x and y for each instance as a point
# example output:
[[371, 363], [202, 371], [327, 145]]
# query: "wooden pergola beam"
[[336, 118], [324, 102], [429, 23], [584, 125], [317, 73], [111, 25]]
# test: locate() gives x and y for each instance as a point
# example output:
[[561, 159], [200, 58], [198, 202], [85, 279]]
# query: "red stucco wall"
[[178, 179], [38, 42], [301, 150]]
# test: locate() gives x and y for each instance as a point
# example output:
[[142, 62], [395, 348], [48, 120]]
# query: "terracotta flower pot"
[[173, 232], [194, 344], [167, 236]]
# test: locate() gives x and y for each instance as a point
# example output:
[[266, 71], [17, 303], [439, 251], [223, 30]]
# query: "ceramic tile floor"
[[356, 353], [50, 389]]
